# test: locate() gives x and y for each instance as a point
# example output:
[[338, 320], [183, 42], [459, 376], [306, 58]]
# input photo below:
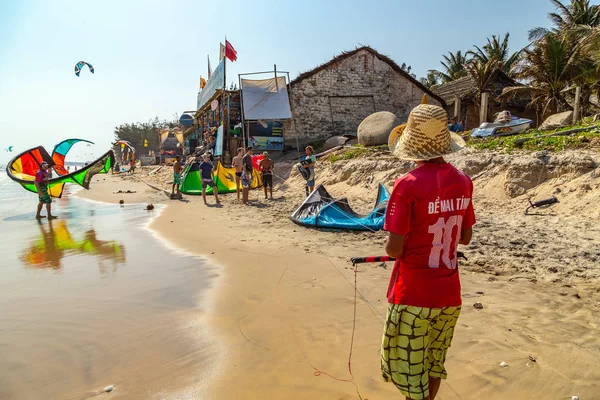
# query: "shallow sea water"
[[93, 299]]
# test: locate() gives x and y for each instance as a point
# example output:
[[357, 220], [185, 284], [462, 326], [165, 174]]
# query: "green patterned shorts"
[[45, 197], [414, 347]]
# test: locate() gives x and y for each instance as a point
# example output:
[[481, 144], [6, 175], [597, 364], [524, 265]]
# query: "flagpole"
[[225, 134]]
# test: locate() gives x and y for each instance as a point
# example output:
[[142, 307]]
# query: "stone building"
[[335, 97]]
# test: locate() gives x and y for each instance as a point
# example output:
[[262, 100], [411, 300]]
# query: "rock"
[[585, 186], [376, 128], [503, 364], [532, 358], [557, 121], [109, 389], [334, 141], [478, 306]]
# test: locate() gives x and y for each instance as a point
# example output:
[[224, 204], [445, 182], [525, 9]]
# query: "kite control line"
[[370, 259]]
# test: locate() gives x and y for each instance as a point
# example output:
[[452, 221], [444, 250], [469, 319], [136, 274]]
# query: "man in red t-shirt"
[[429, 213]]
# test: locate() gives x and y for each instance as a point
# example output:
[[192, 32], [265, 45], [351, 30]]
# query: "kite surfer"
[[237, 164], [429, 213], [266, 167], [308, 162], [41, 184], [246, 174], [176, 175]]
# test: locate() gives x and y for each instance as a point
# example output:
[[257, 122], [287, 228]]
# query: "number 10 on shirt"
[[446, 233]]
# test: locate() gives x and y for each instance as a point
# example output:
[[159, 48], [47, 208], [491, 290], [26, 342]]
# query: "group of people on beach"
[[244, 170]]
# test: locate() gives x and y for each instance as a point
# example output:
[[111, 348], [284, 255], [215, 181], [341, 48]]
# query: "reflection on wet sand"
[[55, 242]]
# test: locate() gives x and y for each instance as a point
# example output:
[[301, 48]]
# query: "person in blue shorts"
[[206, 173]]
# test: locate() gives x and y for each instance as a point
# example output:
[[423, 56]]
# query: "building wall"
[[335, 100]]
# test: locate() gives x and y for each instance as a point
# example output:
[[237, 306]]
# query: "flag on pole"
[[221, 52], [230, 51], [209, 69], [202, 82]]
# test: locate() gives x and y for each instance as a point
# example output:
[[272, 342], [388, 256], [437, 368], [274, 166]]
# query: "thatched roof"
[[465, 89], [346, 54]]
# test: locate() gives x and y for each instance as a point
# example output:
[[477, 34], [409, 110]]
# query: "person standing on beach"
[[308, 162], [41, 184], [237, 164], [247, 174], [266, 167], [176, 175], [206, 173], [429, 213]]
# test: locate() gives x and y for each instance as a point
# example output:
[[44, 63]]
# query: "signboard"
[[266, 135], [186, 120], [215, 82], [265, 99]]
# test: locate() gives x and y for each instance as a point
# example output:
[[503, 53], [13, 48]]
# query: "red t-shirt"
[[429, 206], [41, 177]]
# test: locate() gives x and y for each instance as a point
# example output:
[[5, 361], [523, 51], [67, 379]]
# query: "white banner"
[[265, 99]]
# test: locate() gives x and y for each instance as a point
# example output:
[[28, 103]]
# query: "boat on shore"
[[514, 126]]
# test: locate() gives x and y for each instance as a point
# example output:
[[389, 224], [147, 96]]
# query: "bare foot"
[[38, 217], [52, 217]]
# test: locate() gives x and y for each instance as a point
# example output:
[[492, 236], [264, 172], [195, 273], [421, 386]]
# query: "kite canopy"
[[10, 149], [320, 210], [60, 152], [22, 169], [224, 179], [79, 67]]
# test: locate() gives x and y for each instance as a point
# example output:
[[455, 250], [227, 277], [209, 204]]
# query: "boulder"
[[334, 141], [376, 128], [557, 121]]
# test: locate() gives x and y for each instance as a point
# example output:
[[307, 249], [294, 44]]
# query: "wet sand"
[[95, 299]]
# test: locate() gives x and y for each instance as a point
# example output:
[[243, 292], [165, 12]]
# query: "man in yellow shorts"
[[429, 213]]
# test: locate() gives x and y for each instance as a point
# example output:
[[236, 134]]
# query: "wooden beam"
[[483, 109], [576, 108], [457, 108]]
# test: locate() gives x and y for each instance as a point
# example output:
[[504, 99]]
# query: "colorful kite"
[[125, 144], [22, 169], [79, 67], [10, 149], [60, 152]]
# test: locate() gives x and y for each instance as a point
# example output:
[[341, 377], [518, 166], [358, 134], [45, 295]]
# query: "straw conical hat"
[[426, 135]]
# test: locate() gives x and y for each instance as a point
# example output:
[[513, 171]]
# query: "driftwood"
[[569, 132], [329, 151]]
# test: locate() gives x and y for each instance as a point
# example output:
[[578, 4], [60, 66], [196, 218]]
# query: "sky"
[[148, 55]]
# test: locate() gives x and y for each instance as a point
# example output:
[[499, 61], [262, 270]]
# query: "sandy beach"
[[283, 305]]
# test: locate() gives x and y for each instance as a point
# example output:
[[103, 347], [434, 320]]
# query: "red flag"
[[230, 51]]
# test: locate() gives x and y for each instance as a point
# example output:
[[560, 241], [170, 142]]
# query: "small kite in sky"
[[79, 67]]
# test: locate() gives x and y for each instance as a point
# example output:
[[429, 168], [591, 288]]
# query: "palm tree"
[[550, 67], [430, 80], [496, 49], [454, 67], [481, 73], [579, 13]]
